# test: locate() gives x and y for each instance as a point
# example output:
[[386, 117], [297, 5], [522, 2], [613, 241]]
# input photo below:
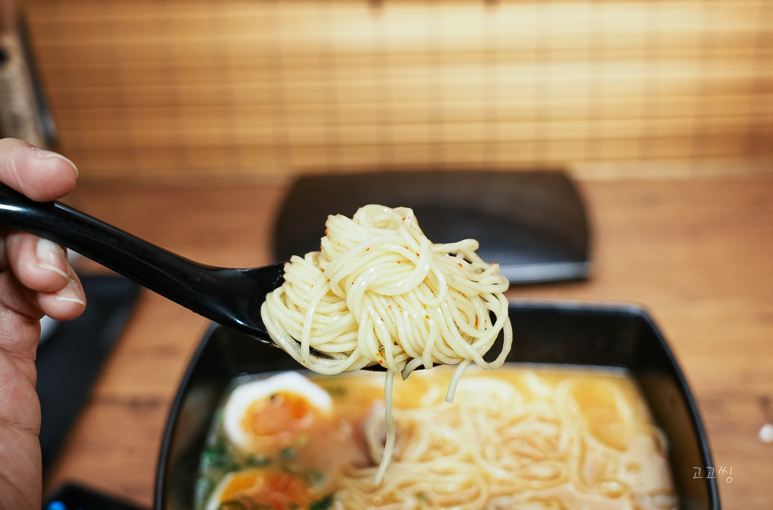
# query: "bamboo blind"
[[228, 87]]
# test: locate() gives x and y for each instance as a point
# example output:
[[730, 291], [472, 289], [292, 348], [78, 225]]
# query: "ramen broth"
[[523, 436]]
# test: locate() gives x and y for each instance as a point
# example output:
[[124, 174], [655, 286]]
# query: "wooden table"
[[697, 253]]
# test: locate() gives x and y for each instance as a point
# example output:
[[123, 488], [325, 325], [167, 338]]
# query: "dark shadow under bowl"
[[555, 333]]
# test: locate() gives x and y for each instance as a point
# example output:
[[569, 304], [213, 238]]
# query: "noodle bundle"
[[379, 292]]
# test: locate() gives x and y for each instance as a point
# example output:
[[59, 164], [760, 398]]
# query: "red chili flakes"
[[417, 255], [460, 265], [399, 262], [367, 249], [476, 322], [426, 317]]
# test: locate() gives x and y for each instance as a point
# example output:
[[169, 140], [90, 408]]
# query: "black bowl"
[[555, 333]]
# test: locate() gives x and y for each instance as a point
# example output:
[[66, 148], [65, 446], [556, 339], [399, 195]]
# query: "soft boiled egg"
[[255, 488], [274, 412]]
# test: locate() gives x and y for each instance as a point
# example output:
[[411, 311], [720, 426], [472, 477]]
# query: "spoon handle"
[[161, 271]]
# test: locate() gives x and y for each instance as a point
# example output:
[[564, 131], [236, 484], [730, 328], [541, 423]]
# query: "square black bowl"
[[556, 333]]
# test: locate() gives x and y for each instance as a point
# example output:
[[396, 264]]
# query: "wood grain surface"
[[236, 87], [697, 253]]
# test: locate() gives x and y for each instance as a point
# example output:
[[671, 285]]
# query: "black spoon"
[[228, 296]]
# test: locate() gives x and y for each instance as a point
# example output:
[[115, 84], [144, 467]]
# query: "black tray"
[[532, 223], [618, 336]]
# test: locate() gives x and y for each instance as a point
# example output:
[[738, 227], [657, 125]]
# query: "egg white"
[[246, 394]]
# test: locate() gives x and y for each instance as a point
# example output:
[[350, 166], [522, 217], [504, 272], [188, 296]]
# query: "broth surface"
[[522, 437]]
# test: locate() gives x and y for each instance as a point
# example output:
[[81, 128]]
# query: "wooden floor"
[[698, 253]]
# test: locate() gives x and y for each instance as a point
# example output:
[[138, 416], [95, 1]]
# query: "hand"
[[35, 280]]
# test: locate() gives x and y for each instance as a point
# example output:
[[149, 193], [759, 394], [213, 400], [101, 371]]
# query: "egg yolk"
[[274, 489], [281, 412]]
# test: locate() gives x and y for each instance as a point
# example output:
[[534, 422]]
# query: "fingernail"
[[50, 154], [51, 256], [71, 292]]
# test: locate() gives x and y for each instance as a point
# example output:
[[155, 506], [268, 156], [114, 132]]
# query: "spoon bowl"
[[229, 296]]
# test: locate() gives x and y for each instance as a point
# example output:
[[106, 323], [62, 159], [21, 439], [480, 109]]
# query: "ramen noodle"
[[524, 437]]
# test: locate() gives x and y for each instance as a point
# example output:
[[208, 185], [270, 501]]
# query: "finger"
[[65, 304], [19, 316], [37, 263], [41, 175], [14, 297], [21, 309]]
